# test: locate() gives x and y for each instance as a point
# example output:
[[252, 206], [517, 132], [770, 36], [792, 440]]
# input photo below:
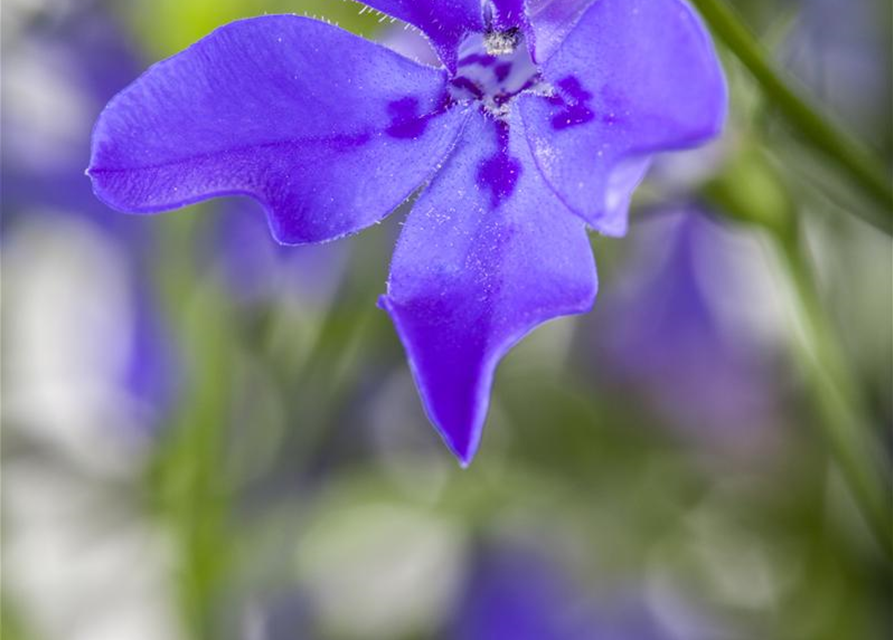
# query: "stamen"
[[501, 43], [494, 67]]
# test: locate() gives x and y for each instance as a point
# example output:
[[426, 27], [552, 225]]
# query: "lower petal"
[[487, 254]]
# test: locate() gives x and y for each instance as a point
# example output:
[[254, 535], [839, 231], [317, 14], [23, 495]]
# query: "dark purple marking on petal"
[[573, 97], [502, 71], [346, 142], [481, 59], [505, 96], [405, 120], [530, 84], [499, 173], [466, 84]]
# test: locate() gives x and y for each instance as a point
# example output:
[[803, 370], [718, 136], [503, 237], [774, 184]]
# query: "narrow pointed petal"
[[487, 254], [510, 15], [328, 131], [506, 14], [445, 22], [633, 78]]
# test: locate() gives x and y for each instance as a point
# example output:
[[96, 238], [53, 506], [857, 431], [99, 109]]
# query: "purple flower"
[[257, 270], [519, 592], [541, 122], [667, 334]]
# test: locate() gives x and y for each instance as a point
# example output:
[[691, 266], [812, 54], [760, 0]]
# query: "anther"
[[501, 43]]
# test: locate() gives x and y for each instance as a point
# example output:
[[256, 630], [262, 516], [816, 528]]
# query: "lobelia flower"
[[541, 121]]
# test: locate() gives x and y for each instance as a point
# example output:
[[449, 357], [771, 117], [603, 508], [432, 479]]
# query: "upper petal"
[[633, 77], [328, 131], [550, 22], [501, 15], [509, 15], [445, 22], [487, 254]]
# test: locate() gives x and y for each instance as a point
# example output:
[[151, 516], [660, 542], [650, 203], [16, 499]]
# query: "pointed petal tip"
[[465, 454], [462, 437]]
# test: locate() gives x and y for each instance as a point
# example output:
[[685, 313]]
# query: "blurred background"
[[206, 435]]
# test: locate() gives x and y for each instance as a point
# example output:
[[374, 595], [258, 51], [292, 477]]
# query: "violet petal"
[[445, 22], [551, 22], [328, 131], [507, 14], [487, 254], [634, 77]]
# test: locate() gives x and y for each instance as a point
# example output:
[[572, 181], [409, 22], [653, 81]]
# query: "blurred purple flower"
[[841, 49], [257, 270], [78, 56], [663, 333], [542, 121], [282, 615], [518, 593]]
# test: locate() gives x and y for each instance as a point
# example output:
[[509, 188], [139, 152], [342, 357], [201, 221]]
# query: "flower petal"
[[550, 22], [505, 14], [445, 22], [509, 15], [487, 254], [328, 131], [633, 78]]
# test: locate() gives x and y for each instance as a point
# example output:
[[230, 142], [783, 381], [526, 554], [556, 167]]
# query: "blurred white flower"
[[382, 570], [82, 560], [68, 321]]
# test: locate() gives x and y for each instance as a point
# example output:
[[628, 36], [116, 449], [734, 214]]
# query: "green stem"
[[187, 483], [858, 164], [751, 191], [839, 416]]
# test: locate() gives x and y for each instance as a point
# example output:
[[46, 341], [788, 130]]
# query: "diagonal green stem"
[[751, 191], [843, 424], [820, 133]]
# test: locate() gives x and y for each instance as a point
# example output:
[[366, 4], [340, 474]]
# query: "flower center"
[[493, 68], [502, 43]]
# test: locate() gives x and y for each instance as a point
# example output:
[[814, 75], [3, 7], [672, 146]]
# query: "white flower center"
[[493, 68]]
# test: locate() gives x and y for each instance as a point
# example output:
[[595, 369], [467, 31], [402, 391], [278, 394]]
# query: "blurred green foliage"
[[292, 416]]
